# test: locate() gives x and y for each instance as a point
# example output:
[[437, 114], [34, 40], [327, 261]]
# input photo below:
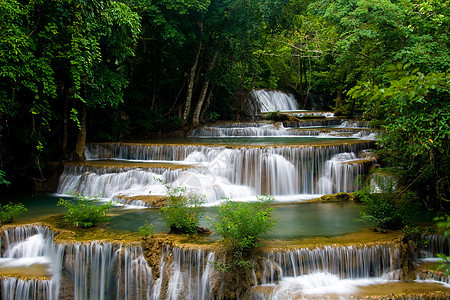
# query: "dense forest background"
[[103, 70]]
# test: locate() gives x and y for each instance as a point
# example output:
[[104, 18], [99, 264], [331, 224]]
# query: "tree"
[[412, 111], [59, 59]]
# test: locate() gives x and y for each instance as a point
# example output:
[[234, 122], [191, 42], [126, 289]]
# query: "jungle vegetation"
[[73, 71]]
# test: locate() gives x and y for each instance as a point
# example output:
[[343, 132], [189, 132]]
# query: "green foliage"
[[2, 178], [412, 111], [11, 211], [182, 211], [85, 211], [443, 223], [146, 229], [384, 211], [212, 116], [241, 224]]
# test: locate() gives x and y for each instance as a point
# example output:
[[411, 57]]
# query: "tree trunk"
[[190, 90], [201, 100], [65, 127], [338, 98], [81, 137], [205, 109]]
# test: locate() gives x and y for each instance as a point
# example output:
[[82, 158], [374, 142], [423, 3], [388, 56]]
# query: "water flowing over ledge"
[[158, 269], [274, 100], [217, 172]]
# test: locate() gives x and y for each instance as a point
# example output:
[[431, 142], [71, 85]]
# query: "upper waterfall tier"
[[278, 129], [219, 171], [274, 100]]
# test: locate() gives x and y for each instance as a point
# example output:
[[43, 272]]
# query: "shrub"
[[384, 211], [146, 229], [443, 223], [11, 211], [241, 224], [182, 211], [85, 211]]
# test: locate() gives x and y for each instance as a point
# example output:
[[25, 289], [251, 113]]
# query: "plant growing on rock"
[[146, 229], [11, 211], [241, 224], [85, 211], [182, 211]]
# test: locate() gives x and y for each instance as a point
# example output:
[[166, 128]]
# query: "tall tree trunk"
[[205, 109], [338, 98], [81, 137], [65, 134], [190, 90], [65, 127], [201, 100]]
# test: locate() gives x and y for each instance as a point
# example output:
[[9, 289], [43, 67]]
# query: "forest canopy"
[[73, 71]]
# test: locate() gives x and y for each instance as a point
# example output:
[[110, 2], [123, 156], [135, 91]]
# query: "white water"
[[329, 270], [30, 251], [186, 272], [277, 129], [318, 284], [340, 173], [344, 262], [274, 100], [239, 173]]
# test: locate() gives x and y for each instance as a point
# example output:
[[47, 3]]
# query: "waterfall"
[[295, 273], [105, 270], [30, 249], [340, 173], [434, 244], [253, 129], [274, 100], [185, 273], [99, 182], [345, 262], [313, 123], [224, 172]]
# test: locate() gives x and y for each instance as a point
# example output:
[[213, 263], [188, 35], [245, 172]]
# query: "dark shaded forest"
[[73, 71]]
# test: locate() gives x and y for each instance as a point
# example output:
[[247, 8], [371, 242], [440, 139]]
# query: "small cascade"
[[30, 251], [341, 173], [185, 274], [311, 114], [434, 244], [99, 182], [380, 182], [274, 100], [237, 129], [345, 262], [106, 271], [329, 270], [354, 124], [313, 123]]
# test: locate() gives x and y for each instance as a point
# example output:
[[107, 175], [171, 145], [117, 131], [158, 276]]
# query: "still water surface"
[[295, 220]]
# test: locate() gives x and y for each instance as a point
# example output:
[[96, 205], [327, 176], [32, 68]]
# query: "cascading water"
[[30, 251], [274, 100], [340, 173], [239, 172], [185, 273], [330, 270], [106, 271], [102, 270]]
